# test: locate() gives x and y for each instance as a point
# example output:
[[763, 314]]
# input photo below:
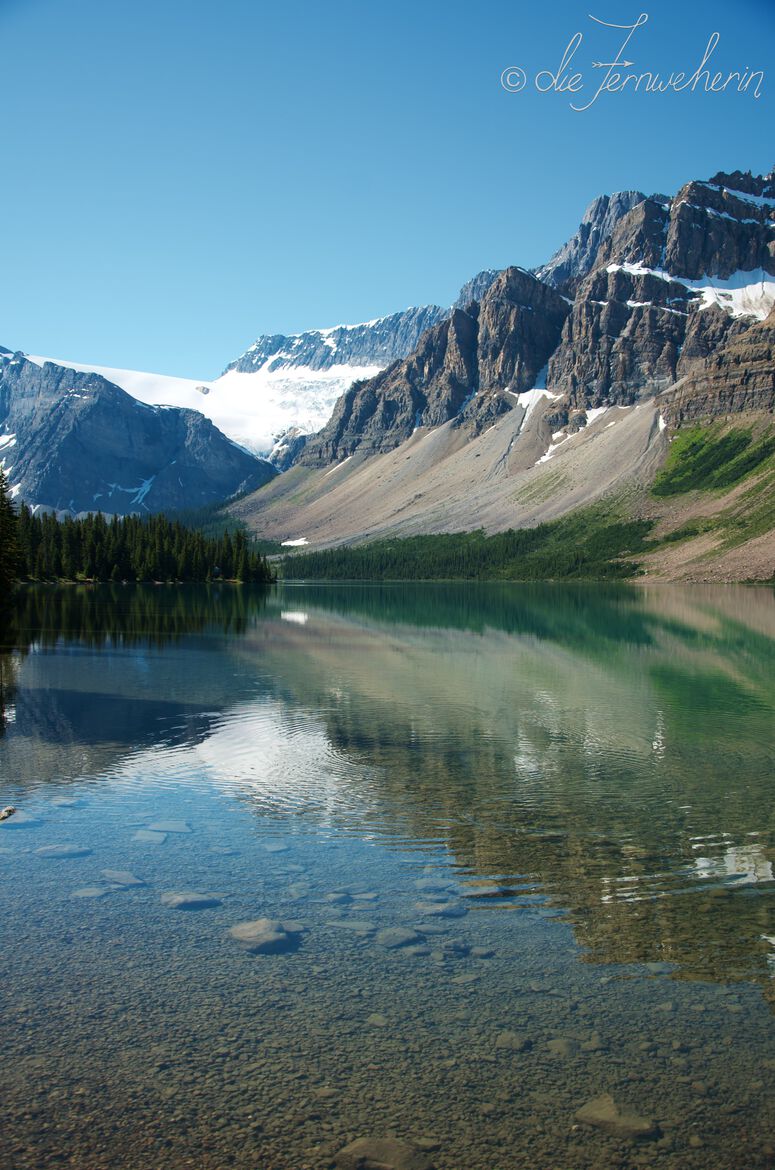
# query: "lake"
[[515, 845]]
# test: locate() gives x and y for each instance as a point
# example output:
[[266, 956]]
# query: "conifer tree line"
[[9, 546], [38, 547]]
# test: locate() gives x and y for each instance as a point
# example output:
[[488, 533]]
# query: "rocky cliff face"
[[520, 321], [675, 281], [75, 442], [499, 345], [739, 377], [432, 384], [631, 334]]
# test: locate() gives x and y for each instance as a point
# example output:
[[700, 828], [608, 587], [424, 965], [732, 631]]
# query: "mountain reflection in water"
[[606, 748]]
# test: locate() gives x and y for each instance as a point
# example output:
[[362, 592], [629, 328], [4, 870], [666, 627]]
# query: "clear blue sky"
[[180, 177]]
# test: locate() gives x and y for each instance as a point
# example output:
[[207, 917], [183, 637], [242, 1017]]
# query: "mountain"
[[475, 288], [555, 388], [674, 281], [75, 442], [460, 369], [282, 388], [373, 343], [576, 258], [259, 411], [304, 374]]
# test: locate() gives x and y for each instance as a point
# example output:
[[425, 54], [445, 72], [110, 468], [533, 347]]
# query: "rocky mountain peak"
[[675, 280], [371, 343], [760, 186], [475, 288], [575, 259]]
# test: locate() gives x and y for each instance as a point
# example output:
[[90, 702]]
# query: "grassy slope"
[[714, 503]]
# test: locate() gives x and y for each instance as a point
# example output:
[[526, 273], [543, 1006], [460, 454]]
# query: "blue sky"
[[180, 177]]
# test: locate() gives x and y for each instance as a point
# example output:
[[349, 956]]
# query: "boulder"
[[381, 1154], [397, 936], [603, 1113], [188, 900], [268, 936]]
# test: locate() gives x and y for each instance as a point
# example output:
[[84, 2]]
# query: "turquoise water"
[[562, 797]]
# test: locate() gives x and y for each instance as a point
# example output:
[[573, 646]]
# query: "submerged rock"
[[169, 827], [62, 851], [381, 1154], [91, 892], [441, 909], [149, 837], [563, 1046], [337, 898], [397, 936], [20, 820], [433, 884], [276, 846], [189, 900], [511, 1041], [122, 877], [360, 926], [268, 936], [603, 1113]]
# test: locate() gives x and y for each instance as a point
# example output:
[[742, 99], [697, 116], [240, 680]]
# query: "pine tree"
[[9, 540]]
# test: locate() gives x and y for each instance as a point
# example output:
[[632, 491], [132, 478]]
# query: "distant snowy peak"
[[371, 343]]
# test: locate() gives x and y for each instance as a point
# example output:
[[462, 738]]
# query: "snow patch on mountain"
[[765, 201], [743, 294]]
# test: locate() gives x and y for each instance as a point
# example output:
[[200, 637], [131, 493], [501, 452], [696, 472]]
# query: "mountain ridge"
[[75, 442], [522, 407]]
